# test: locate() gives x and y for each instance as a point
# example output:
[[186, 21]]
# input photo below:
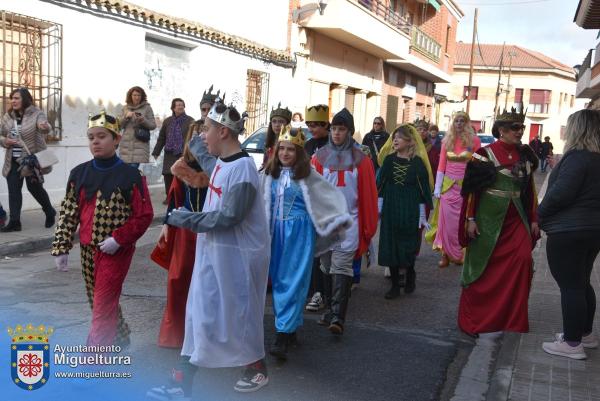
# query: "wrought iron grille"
[[31, 57], [257, 99]]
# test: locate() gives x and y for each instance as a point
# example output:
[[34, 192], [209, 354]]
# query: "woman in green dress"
[[403, 183]]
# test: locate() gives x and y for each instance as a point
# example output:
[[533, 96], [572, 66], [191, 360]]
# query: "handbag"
[[142, 134], [45, 158]]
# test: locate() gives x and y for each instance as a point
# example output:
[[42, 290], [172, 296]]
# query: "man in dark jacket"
[[376, 139], [547, 150], [317, 121], [536, 145]]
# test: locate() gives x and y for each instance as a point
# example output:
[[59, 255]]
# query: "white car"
[[254, 145]]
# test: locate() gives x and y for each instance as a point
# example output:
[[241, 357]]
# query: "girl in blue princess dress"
[[306, 215]]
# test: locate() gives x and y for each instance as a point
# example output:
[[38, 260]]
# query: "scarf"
[[175, 135], [342, 157]]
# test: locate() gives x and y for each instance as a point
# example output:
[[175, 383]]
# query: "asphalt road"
[[406, 349]]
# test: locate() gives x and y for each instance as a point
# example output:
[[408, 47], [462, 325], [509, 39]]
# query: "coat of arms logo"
[[30, 355]]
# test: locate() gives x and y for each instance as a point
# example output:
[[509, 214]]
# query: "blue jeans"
[[544, 163]]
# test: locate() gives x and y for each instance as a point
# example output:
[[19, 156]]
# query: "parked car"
[[254, 145], [486, 139]]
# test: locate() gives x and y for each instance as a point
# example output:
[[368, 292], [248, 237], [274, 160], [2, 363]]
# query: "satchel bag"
[[45, 158], [142, 134]]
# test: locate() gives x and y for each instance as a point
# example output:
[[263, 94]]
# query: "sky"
[[545, 26]]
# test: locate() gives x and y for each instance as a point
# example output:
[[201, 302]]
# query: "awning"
[[435, 4]]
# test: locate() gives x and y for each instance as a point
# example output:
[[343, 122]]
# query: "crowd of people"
[[305, 222]]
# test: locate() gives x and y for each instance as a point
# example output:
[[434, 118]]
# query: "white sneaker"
[[589, 341], [561, 348], [316, 303], [164, 393]]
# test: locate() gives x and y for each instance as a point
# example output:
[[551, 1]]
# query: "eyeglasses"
[[517, 127]]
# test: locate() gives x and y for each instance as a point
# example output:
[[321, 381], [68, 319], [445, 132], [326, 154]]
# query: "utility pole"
[[510, 57], [472, 59], [499, 79]]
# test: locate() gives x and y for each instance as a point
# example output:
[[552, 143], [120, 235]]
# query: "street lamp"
[[321, 5]]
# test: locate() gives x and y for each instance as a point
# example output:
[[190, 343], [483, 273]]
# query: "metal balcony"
[[383, 11], [425, 44]]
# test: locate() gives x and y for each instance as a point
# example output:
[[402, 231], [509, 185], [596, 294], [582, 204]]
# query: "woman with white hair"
[[570, 216]]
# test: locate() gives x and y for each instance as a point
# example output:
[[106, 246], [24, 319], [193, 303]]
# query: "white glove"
[[422, 219], [439, 181], [62, 262], [109, 246], [379, 205]]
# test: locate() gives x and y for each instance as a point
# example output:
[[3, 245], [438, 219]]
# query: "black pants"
[[15, 196], [168, 181], [316, 279], [571, 258]]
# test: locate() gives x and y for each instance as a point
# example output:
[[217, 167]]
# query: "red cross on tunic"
[[217, 190], [341, 177]]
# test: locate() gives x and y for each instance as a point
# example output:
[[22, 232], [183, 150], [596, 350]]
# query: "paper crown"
[[281, 112], [209, 97], [228, 116], [104, 120], [318, 113], [512, 116], [293, 135], [30, 333]]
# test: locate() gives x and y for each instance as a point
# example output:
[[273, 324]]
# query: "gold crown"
[[30, 333], [318, 113], [293, 135], [104, 120], [512, 116], [281, 112]]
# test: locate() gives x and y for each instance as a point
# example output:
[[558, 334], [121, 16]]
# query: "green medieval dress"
[[403, 184]]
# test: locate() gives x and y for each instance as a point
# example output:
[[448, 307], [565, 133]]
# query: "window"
[[477, 126], [539, 100], [519, 99], [257, 99], [448, 28], [474, 92], [560, 102], [563, 130], [349, 100], [392, 111], [31, 54], [572, 101]]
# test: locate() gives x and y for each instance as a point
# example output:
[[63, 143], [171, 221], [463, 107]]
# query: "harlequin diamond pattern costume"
[[105, 198]]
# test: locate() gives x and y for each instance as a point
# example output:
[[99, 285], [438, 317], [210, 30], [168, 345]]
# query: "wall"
[[103, 58]]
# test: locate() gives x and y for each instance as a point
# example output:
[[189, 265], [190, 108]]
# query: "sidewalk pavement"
[[35, 237], [523, 371]]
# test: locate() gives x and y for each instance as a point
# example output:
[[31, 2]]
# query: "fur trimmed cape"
[[325, 205]]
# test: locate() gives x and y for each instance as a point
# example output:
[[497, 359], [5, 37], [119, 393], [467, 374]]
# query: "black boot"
[[325, 319], [280, 346], [394, 292], [13, 225], [342, 285], [50, 218], [411, 277]]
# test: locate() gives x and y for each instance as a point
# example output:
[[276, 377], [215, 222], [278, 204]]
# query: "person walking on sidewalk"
[[137, 120], [547, 149], [347, 167], [171, 138], [498, 226], [109, 201], [305, 214], [570, 216], [403, 183], [24, 124]]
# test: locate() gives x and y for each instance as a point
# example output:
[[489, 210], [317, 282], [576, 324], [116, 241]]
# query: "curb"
[[503, 371], [41, 243]]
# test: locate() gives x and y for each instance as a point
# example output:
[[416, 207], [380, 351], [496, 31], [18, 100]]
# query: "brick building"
[[529, 79], [375, 57]]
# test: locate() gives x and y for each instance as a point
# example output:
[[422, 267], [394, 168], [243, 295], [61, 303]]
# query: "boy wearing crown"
[[225, 306], [109, 201]]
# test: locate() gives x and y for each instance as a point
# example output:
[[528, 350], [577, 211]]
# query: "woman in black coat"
[[570, 215]]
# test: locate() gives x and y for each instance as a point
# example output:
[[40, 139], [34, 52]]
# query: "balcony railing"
[[383, 11], [425, 44]]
